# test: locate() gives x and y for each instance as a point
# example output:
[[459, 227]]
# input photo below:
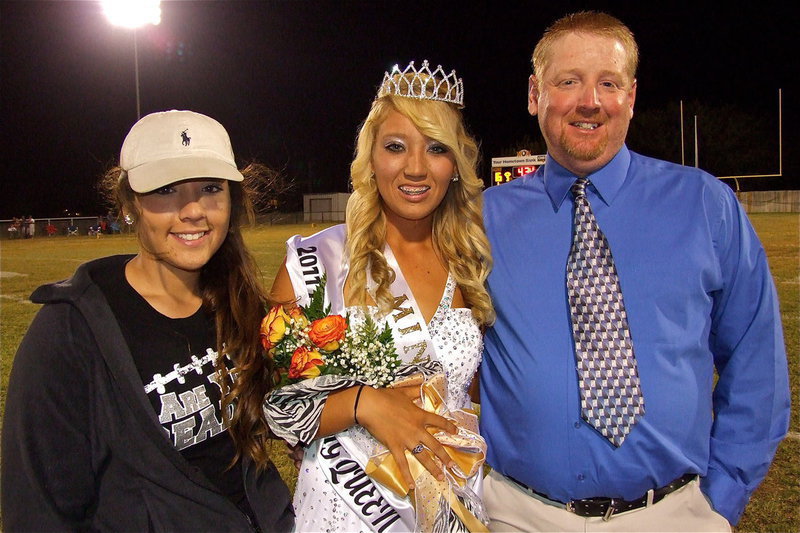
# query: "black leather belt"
[[607, 507]]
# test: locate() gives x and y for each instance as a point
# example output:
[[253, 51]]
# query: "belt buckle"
[[581, 507], [610, 511]]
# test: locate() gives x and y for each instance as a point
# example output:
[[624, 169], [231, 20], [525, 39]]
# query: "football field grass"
[[26, 264]]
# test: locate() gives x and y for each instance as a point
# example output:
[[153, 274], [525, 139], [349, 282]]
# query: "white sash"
[[308, 259], [409, 329], [378, 508]]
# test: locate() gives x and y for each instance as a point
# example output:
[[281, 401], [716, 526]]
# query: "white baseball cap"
[[172, 146]]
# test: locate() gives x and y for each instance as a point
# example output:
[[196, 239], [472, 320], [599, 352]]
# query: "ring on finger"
[[418, 449]]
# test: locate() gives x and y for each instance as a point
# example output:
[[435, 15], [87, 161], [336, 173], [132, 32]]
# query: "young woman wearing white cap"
[[122, 411]]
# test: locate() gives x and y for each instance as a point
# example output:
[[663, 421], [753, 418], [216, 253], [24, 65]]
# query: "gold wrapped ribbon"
[[466, 448]]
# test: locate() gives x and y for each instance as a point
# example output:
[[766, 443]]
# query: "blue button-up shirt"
[[698, 295]]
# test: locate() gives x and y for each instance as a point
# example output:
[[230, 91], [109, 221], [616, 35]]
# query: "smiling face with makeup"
[[412, 171], [182, 225], [584, 100]]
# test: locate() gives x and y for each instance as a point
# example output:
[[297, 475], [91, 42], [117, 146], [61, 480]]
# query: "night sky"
[[292, 80]]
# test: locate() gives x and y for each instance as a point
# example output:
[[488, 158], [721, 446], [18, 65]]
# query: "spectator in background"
[[14, 228], [30, 222]]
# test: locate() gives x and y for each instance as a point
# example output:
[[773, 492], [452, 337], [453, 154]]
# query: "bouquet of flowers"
[[316, 353], [307, 342]]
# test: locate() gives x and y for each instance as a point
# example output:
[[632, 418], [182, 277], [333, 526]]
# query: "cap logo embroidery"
[[186, 138]]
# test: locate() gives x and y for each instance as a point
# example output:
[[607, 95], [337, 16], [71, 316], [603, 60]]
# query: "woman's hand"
[[392, 417], [295, 454]]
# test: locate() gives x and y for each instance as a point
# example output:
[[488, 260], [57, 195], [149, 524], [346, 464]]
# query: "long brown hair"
[[232, 290]]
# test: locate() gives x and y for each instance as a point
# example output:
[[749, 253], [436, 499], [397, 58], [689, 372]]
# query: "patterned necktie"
[[611, 398]]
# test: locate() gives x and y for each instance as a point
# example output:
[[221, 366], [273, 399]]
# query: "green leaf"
[[386, 337], [370, 329], [282, 357], [316, 307], [330, 370]]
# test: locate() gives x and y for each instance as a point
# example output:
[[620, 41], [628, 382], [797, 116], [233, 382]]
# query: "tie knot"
[[579, 187]]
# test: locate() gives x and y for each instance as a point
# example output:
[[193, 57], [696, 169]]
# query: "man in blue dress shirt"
[[698, 295]]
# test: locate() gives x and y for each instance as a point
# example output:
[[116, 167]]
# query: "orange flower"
[[300, 319], [305, 363], [273, 328], [328, 332]]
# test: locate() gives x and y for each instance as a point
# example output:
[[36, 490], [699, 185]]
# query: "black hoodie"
[[68, 460]]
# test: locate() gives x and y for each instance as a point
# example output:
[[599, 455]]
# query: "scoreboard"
[[505, 169]]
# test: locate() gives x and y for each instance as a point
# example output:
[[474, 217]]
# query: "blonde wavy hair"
[[458, 234]]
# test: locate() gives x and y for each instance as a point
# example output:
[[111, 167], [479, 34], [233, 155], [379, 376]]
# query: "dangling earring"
[[128, 218], [456, 177]]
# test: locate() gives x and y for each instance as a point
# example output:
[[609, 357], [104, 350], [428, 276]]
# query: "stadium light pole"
[[133, 14]]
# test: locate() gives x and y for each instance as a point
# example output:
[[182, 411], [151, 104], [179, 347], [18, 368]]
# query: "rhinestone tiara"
[[423, 84]]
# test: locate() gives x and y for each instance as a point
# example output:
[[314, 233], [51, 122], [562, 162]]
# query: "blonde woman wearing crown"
[[412, 254]]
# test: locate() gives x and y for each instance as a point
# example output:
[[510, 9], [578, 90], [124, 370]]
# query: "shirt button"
[[577, 425], [581, 477]]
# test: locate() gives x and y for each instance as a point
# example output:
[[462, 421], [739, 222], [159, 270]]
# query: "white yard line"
[[11, 274], [16, 299]]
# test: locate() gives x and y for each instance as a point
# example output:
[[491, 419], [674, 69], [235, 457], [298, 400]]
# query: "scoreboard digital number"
[[502, 176], [527, 169]]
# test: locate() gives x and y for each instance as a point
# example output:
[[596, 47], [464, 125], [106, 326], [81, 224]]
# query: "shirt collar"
[[607, 181]]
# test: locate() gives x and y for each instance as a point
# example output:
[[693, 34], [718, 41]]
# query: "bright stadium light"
[[133, 14]]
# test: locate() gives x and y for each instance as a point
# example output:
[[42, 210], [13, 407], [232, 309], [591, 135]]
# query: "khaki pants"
[[512, 508]]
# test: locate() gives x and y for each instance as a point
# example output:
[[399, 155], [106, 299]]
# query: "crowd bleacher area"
[[91, 226]]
